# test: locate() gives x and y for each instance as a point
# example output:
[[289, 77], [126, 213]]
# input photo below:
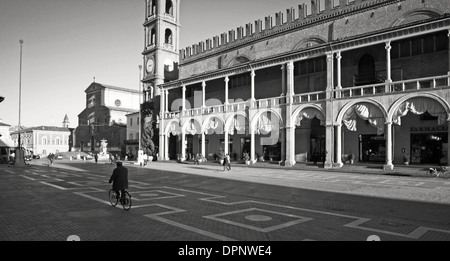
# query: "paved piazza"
[[180, 202]]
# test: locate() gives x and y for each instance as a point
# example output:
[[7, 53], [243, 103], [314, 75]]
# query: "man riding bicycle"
[[119, 179]]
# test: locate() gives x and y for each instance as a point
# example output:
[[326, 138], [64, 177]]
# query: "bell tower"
[[161, 44]]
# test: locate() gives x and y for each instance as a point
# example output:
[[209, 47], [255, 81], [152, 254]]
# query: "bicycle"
[[437, 171], [125, 200]]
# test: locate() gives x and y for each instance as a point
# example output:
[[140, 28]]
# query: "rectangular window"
[[335, 3], [131, 121]]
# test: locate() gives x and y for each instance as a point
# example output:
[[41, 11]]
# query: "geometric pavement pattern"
[[225, 217]]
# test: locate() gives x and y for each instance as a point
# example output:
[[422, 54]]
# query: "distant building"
[[105, 118], [43, 140], [132, 141], [6, 144]]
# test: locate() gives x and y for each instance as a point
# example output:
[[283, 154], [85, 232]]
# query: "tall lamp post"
[[140, 151], [19, 159]]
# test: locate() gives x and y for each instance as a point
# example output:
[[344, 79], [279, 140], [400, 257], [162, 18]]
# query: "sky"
[[66, 43]]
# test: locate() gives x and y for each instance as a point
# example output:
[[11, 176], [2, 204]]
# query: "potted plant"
[[406, 159]]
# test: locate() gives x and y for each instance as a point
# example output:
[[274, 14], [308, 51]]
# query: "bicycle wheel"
[[112, 197], [126, 203]]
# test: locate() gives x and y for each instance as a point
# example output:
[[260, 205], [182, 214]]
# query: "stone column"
[[161, 133], [290, 80], [338, 74], [448, 142], [330, 73], [448, 79], [329, 146], [252, 147], [203, 144], [226, 141], [252, 74], [290, 146], [183, 145], [338, 146], [283, 113], [226, 89], [283, 80], [166, 102], [388, 135], [166, 147], [183, 102], [203, 94], [329, 117], [289, 130], [388, 48]]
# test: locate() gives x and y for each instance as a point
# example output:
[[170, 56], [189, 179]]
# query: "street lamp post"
[[19, 159], [140, 151]]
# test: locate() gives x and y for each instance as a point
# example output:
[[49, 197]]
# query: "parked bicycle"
[[124, 197], [437, 171]]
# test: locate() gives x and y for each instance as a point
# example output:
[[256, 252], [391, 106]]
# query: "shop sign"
[[442, 128]]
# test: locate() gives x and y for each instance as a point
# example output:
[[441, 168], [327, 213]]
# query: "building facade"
[[326, 80], [104, 118], [6, 143], [43, 140], [132, 141]]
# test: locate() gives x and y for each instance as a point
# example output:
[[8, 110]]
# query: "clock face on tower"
[[150, 65]]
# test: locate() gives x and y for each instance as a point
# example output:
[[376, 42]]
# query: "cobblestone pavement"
[[185, 202]]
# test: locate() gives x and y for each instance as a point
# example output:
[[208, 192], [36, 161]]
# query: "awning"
[[366, 111], [419, 106]]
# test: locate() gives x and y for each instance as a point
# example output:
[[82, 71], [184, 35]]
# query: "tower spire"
[[66, 122]]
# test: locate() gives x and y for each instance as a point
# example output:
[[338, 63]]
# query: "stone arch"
[[167, 129], [310, 41], [416, 15], [320, 114], [395, 106], [255, 118], [371, 116], [241, 59], [374, 52], [207, 121], [356, 101], [230, 118], [196, 121]]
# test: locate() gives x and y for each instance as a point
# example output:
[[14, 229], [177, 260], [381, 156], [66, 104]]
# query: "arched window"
[[366, 70], [169, 7], [153, 7], [153, 36], [148, 7], [168, 37], [44, 140]]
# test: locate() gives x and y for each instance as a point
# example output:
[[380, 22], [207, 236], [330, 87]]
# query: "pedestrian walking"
[[197, 159], [226, 162], [50, 158], [96, 157]]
